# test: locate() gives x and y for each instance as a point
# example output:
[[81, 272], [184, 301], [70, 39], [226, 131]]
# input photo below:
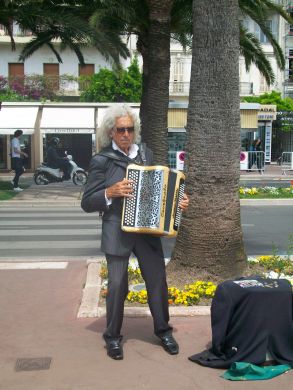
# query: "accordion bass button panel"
[[129, 215]]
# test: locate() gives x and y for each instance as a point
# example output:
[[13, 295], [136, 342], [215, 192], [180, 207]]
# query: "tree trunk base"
[[180, 275]]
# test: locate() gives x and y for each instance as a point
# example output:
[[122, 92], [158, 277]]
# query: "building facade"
[[76, 125], [62, 78]]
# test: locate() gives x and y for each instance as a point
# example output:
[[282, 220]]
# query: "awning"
[[13, 118], [68, 120]]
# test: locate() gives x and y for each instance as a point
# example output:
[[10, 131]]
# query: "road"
[[265, 183], [265, 226], [48, 232], [34, 233]]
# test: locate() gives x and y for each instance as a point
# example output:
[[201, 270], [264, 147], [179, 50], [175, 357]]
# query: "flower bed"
[[202, 292], [272, 266], [191, 294], [266, 192]]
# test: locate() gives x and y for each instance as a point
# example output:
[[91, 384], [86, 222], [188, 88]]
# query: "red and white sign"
[[243, 161], [180, 160]]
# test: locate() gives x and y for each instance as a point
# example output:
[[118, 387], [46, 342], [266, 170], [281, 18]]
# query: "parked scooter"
[[45, 175]]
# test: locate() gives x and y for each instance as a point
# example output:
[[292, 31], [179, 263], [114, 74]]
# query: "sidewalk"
[[64, 194], [38, 318], [271, 172]]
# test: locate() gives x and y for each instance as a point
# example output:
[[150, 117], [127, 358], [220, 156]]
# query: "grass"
[[6, 190]]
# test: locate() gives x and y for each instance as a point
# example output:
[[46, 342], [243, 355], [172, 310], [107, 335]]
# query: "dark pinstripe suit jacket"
[[103, 172]]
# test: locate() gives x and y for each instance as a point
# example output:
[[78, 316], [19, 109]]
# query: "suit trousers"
[[152, 266]]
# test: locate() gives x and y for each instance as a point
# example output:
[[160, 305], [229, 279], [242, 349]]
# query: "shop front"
[[75, 128], [75, 124], [267, 113], [13, 117], [256, 123]]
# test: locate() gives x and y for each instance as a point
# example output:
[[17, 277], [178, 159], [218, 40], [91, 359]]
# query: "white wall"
[[34, 64]]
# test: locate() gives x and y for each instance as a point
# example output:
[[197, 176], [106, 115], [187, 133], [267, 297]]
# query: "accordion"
[[157, 191]]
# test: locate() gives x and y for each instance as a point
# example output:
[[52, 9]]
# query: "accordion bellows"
[[157, 191]]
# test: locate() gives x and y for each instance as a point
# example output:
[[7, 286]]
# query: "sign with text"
[[267, 112], [68, 131]]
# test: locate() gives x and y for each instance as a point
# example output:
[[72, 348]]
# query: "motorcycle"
[[45, 175]]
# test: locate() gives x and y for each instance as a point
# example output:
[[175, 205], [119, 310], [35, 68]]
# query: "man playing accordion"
[[118, 139]]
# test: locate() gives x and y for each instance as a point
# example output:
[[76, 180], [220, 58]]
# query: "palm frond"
[[252, 52]]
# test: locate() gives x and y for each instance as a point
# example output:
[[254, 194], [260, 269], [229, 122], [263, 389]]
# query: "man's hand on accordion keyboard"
[[184, 202], [122, 188]]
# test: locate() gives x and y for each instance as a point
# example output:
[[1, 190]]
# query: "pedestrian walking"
[[16, 160]]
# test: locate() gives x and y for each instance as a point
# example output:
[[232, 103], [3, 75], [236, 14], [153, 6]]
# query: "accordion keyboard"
[[178, 210]]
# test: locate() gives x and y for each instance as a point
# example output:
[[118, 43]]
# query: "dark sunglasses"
[[122, 130]]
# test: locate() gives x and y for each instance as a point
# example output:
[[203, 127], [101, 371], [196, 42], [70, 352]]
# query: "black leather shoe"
[[114, 349], [169, 344]]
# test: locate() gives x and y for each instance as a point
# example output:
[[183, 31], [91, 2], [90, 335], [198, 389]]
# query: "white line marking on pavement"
[[49, 232], [48, 223], [7, 245], [34, 265]]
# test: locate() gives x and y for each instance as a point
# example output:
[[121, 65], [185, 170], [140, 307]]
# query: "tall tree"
[[210, 237], [139, 17], [157, 100], [150, 21]]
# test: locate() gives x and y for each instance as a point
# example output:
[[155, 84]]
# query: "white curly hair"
[[109, 121]]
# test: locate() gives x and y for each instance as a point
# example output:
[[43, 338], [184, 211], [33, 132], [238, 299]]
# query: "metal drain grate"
[[33, 364]]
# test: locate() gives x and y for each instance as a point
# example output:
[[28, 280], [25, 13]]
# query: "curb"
[[89, 306], [265, 178], [76, 203], [91, 292], [266, 202], [39, 203]]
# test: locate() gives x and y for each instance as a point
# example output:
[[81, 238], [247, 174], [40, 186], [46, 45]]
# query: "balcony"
[[44, 86], [16, 31], [245, 88], [178, 88], [288, 77]]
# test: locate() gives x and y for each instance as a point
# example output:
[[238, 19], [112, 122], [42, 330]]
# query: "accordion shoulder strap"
[[142, 151], [112, 155]]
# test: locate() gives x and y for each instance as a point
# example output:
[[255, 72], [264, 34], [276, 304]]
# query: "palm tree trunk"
[[158, 78], [210, 237]]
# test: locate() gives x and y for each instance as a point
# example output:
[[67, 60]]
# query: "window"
[[16, 75], [259, 33], [178, 85], [51, 71], [176, 142], [290, 25], [263, 87], [85, 70], [290, 68]]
